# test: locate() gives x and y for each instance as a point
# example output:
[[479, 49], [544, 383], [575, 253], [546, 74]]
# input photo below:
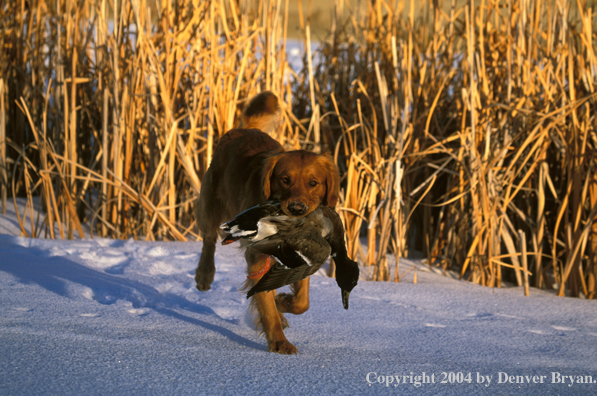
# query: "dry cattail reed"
[[454, 126]]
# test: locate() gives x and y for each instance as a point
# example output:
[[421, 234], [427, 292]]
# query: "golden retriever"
[[248, 167]]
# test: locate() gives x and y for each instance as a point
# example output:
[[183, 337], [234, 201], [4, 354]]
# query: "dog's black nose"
[[296, 208]]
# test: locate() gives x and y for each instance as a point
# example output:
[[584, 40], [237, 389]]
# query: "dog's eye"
[[285, 180], [313, 183]]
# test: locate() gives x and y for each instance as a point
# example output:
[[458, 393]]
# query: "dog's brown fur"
[[247, 168]]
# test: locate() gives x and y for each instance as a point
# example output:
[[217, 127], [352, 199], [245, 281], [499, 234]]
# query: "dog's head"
[[301, 181]]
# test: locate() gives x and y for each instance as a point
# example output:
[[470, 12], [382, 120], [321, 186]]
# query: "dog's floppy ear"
[[332, 181], [266, 177]]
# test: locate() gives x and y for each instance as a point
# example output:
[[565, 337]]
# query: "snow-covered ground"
[[106, 317]]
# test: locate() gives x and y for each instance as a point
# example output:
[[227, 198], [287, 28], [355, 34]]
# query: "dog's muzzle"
[[297, 208]]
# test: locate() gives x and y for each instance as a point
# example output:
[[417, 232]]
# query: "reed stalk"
[[453, 125], [3, 176]]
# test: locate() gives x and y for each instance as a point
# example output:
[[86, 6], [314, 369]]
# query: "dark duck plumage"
[[300, 245]]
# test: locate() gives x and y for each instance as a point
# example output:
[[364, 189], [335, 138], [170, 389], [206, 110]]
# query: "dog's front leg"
[[269, 316], [206, 269], [272, 326]]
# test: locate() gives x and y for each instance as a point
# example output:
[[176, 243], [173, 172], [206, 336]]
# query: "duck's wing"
[[247, 224], [282, 252], [279, 276], [297, 256], [295, 246]]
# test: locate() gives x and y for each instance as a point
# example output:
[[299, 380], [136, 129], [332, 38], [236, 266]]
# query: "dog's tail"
[[263, 113]]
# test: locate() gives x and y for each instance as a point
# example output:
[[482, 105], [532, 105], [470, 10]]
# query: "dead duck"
[[300, 245]]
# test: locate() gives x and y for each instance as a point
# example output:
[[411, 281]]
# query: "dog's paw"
[[283, 302], [204, 278], [282, 347]]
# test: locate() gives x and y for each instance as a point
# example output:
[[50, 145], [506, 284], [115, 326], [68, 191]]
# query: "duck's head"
[[347, 276]]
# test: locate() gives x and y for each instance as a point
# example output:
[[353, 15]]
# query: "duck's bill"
[[345, 295]]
